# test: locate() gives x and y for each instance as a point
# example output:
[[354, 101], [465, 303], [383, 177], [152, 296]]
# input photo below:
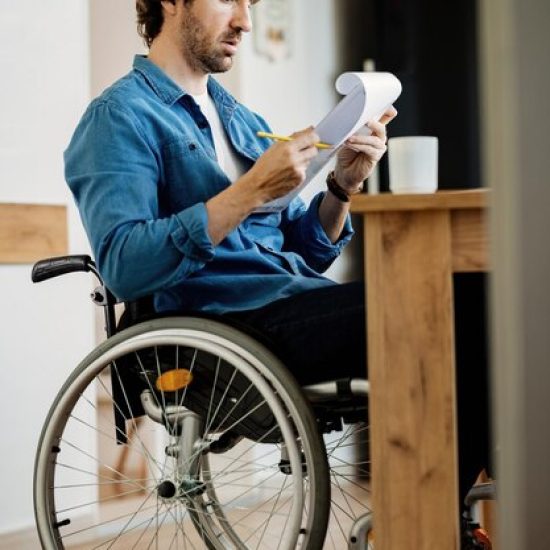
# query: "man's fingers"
[[305, 138], [305, 155], [301, 133], [389, 114], [372, 140], [369, 150], [378, 130]]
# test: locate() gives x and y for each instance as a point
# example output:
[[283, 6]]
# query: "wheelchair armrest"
[[101, 296], [53, 267]]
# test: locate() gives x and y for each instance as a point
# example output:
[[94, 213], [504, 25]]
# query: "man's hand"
[[357, 159], [282, 167], [278, 171]]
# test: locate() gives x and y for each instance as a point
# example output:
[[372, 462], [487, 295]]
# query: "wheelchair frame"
[[191, 483]]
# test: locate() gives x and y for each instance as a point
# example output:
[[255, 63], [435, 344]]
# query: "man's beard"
[[200, 52]]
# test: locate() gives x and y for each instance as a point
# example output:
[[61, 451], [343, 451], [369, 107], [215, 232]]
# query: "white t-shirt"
[[228, 159]]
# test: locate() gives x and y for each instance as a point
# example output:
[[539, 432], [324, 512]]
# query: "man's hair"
[[150, 18]]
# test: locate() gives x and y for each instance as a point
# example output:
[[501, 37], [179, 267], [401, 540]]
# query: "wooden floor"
[[171, 536], [353, 502]]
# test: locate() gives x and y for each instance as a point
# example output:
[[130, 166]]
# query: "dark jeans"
[[320, 335]]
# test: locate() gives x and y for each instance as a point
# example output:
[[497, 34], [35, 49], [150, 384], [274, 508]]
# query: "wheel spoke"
[[110, 468], [133, 420]]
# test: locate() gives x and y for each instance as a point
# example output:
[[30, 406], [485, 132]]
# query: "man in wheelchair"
[[171, 181]]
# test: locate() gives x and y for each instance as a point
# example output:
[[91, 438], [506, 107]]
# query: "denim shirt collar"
[[169, 92]]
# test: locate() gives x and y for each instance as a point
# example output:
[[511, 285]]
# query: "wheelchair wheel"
[[222, 449]]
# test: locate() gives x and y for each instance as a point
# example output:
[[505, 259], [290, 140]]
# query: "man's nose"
[[241, 19]]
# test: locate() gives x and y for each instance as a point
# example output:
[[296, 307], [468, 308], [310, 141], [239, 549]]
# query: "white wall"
[[46, 329], [113, 41]]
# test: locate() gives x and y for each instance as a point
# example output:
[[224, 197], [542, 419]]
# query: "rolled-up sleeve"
[[305, 235], [192, 238], [113, 172]]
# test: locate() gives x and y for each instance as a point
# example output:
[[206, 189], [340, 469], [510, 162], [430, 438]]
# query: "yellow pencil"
[[277, 137]]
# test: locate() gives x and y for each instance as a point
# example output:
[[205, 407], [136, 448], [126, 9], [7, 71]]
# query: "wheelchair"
[[224, 448]]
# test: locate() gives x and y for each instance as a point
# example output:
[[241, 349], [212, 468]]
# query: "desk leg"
[[411, 369]]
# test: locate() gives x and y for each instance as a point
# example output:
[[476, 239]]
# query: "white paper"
[[366, 97]]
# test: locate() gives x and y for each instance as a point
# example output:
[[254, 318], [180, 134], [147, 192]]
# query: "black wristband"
[[335, 189]]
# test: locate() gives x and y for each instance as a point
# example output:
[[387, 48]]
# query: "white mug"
[[413, 164]]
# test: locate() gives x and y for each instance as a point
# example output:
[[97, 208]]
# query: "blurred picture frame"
[[273, 29]]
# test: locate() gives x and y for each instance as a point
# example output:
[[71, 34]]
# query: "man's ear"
[[169, 6]]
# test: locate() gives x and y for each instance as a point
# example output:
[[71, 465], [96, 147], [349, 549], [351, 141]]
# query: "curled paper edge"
[[346, 82]]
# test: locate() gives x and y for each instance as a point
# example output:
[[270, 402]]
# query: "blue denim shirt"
[[141, 165]]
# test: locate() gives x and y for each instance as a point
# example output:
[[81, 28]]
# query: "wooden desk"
[[414, 243]]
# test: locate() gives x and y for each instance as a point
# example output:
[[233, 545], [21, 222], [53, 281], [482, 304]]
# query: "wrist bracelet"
[[339, 192]]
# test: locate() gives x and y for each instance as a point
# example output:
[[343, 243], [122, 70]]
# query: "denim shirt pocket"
[[191, 175]]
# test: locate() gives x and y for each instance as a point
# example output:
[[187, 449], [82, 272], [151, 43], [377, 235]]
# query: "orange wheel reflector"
[[481, 536], [174, 380]]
